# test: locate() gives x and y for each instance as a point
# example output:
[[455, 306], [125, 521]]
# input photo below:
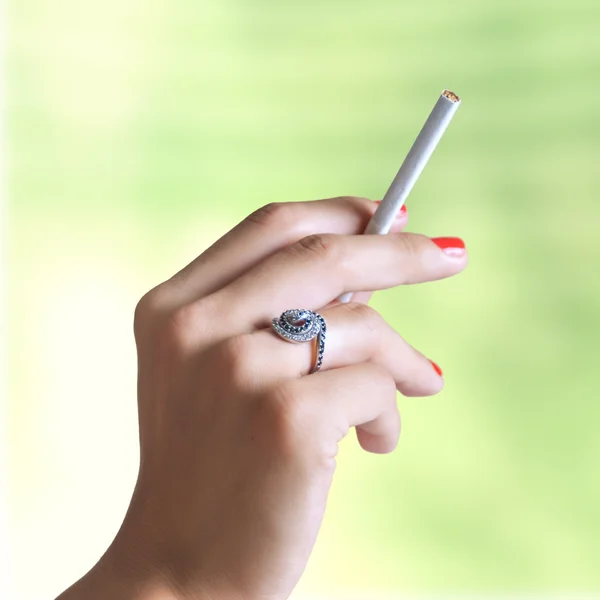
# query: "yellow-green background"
[[140, 131]]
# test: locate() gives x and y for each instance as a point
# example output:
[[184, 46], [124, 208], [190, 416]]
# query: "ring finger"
[[356, 333]]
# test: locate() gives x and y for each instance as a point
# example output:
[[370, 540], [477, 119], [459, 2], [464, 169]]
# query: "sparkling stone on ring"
[[300, 325]]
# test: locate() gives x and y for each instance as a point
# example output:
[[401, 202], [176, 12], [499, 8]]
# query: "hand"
[[238, 442]]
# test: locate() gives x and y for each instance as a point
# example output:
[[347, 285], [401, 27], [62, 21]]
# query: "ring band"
[[301, 325]]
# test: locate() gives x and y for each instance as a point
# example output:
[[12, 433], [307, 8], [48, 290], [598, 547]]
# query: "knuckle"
[[236, 356], [144, 311], [388, 387], [178, 325], [366, 317], [412, 243], [383, 381], [289, 417], [148, 309], [319, 246], [276, 215], [186, 327]]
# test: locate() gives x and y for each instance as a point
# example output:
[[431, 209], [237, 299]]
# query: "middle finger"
[[317, 269], [266, 231]]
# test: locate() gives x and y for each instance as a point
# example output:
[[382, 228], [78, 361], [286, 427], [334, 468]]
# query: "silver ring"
[[300, 325]]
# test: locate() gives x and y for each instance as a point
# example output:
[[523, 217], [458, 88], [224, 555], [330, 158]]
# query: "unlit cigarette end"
[[451, 96]]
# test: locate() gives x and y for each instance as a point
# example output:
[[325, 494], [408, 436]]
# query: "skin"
[[238, 442]]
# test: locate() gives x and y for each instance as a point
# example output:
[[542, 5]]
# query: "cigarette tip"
[[451, 96]]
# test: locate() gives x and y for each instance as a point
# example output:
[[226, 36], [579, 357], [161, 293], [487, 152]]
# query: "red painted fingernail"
[[452, 246], [437, 368], [403, 210]]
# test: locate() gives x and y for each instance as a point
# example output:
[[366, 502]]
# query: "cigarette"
[[413, 165]]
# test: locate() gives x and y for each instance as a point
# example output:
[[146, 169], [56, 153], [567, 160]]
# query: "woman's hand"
[[238, 442]]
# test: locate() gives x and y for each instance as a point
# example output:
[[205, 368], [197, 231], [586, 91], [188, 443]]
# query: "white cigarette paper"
[[414, 163]]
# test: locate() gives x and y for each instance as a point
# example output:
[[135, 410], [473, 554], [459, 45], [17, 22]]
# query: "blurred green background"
[[141, 131]]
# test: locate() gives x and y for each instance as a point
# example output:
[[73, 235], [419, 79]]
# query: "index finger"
[[265, 232]]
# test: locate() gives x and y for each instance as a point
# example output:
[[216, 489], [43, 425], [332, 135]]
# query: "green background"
[[140, 131]]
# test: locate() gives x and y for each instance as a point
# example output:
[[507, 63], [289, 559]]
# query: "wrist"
[[141, 564], [115, 577], [128, 570]]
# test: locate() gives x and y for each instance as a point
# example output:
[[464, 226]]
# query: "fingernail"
[[452, 246], [403, 210], [437, 368]]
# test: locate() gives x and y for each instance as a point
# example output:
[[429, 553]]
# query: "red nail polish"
[[437, 368], [402, 210], [449, 242]]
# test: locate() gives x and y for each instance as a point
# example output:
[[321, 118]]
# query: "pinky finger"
[[361, 396]]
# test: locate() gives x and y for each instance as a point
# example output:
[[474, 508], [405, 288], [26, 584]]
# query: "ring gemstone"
[[302, 325]]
